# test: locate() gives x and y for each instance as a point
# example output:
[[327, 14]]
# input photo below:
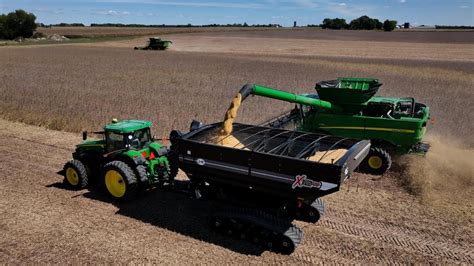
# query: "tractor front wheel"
[[75, 175], [119, 179], [377, 162]]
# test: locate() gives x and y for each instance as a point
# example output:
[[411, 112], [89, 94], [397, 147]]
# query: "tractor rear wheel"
[[119, 179], [141, 175], [75, 175], [377, 162]]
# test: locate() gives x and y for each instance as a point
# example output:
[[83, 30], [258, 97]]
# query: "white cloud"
[[58, 11], [189, 4], [114, 13], [464, 6], [307, 3], [350, 10], [402, 1]]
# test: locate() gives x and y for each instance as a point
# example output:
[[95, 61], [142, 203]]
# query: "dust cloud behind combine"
[[444, 174]]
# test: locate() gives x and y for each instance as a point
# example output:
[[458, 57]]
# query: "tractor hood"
[[90, 143]]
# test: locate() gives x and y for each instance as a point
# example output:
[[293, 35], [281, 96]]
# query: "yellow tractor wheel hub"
[[375, 162], [115, 183], [72, 176]]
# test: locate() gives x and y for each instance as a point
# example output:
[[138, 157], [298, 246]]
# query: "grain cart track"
[[42, 222]]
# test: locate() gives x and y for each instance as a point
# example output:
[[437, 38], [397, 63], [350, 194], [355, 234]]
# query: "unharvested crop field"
[[77, 87]]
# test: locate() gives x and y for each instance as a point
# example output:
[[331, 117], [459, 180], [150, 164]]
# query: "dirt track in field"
[[371, 221]]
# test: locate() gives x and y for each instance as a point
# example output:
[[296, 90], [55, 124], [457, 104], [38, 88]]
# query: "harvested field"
[[82, 86], [367, 222], [445, 46]]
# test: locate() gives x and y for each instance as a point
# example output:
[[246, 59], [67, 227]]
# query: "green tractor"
[[347, 107], [155, 43], [125, 159]]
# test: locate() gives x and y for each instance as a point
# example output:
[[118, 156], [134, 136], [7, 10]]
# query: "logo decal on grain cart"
[[303, 181]]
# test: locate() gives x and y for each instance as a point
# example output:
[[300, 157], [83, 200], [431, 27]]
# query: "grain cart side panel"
[[262, 170]]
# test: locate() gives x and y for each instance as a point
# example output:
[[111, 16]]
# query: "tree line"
[[158, 26], [17, 24], [361, 23], [183, 25]]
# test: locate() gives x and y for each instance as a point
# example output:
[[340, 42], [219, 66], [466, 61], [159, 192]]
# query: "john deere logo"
[[200, 162], [303, 181]]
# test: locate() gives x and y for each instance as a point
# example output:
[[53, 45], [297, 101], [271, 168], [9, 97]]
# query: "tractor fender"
[[161, 152]]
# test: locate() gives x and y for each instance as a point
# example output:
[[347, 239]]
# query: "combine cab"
[[347, 107], [156, 43]]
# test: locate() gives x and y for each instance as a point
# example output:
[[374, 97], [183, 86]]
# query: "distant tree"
[[17, 24], [69, 25], [3, 18], [454, 27], [363, 23], [336, 24], [245, 24], [378, 24], [389, 25]]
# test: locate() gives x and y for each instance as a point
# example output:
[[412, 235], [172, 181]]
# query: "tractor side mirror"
[[84, 135]]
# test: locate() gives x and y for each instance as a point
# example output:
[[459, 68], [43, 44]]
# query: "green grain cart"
[[347, 107], [156, 43], [124, 159]]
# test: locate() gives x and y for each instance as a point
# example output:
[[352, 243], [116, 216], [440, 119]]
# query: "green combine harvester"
[[155, 43], [347, 107], [123, 160]]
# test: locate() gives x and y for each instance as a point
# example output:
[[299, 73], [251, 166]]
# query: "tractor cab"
[[127, 134]]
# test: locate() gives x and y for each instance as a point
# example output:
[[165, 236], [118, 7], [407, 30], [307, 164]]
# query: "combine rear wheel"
[[377, 162], [119, 179], [75, 175]]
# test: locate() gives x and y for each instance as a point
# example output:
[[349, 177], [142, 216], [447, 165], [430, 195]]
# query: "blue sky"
[[284, 12]]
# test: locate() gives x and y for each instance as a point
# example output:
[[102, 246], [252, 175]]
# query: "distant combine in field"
[[155, 43]]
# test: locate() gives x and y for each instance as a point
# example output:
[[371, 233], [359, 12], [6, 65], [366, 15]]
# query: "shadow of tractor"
[[174, 211]]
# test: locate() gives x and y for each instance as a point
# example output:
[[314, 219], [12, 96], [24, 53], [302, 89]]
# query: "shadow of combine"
[[174, 211]]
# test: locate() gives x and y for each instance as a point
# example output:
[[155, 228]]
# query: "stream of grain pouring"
[[225, 138]]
